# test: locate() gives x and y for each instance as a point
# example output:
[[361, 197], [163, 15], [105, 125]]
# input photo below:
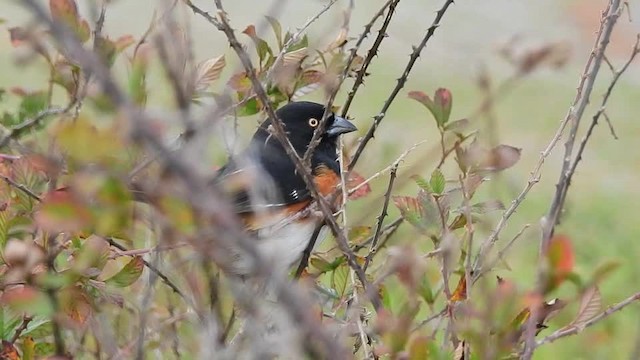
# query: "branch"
[[21, 187], [572, 330], [317, 135], [584, 90], [387, 196], [601, 111], [373, 51], [401, 81], [610, 16], [23, 326], [17, 130], [574, 115]]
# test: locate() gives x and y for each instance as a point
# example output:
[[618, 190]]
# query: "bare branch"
[[574, 116], [400, 84], [572, 330], [382, 34], [376, 236]]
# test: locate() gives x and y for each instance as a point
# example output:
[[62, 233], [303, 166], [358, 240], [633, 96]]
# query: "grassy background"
[[601, 217]]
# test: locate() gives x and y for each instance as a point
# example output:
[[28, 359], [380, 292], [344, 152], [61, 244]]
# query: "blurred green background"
[[600, 215]]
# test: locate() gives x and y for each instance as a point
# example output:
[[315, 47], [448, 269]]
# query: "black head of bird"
[[300, 120]]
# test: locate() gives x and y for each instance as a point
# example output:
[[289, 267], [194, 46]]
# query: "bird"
[[268, 193]]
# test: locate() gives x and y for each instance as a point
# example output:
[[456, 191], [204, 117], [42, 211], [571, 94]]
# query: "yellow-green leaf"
[[128, 274]]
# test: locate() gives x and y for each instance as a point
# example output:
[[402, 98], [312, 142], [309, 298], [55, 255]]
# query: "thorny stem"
[[572, 330], [373, 51], [387, 196], [400, 84]]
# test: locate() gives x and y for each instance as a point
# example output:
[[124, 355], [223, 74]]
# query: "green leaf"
[[277, 30], [321, 264], [128, 274], [425, 291], [437, 182], [457, 125], [28, 349], [250, 107], [93, 254], [39, 327], [358, 234], [340, 279], [422, 183], [9, 321], [44, 349], [262, 47], [138, 83], [419, 348], [31, 105]]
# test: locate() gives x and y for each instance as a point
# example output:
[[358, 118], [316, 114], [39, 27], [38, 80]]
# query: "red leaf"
[[461, 290], [561, 258], [355, 180], [444, 100]]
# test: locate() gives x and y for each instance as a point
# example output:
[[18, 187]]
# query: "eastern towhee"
[[268, 193]]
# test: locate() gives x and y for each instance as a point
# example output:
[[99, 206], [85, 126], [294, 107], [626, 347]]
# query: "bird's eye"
[[313, 122]]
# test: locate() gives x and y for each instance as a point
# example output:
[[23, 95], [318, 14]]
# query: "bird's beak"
[[340, 126]]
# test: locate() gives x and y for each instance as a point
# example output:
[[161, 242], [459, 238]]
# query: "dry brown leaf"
[[209, 71]]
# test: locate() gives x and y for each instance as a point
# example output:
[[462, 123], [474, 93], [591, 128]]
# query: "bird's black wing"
[[264, 181]]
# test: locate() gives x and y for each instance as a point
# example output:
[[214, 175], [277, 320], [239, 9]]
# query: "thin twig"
[[610, 17], [400, 84], [376, 236], [399, 159], [26, 319], [572, 330], [500, 254], [306, 254], [373, 51], [391, 227], [296, 37], [601, 112], [151, 267], [17, 130], [21, 187]]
